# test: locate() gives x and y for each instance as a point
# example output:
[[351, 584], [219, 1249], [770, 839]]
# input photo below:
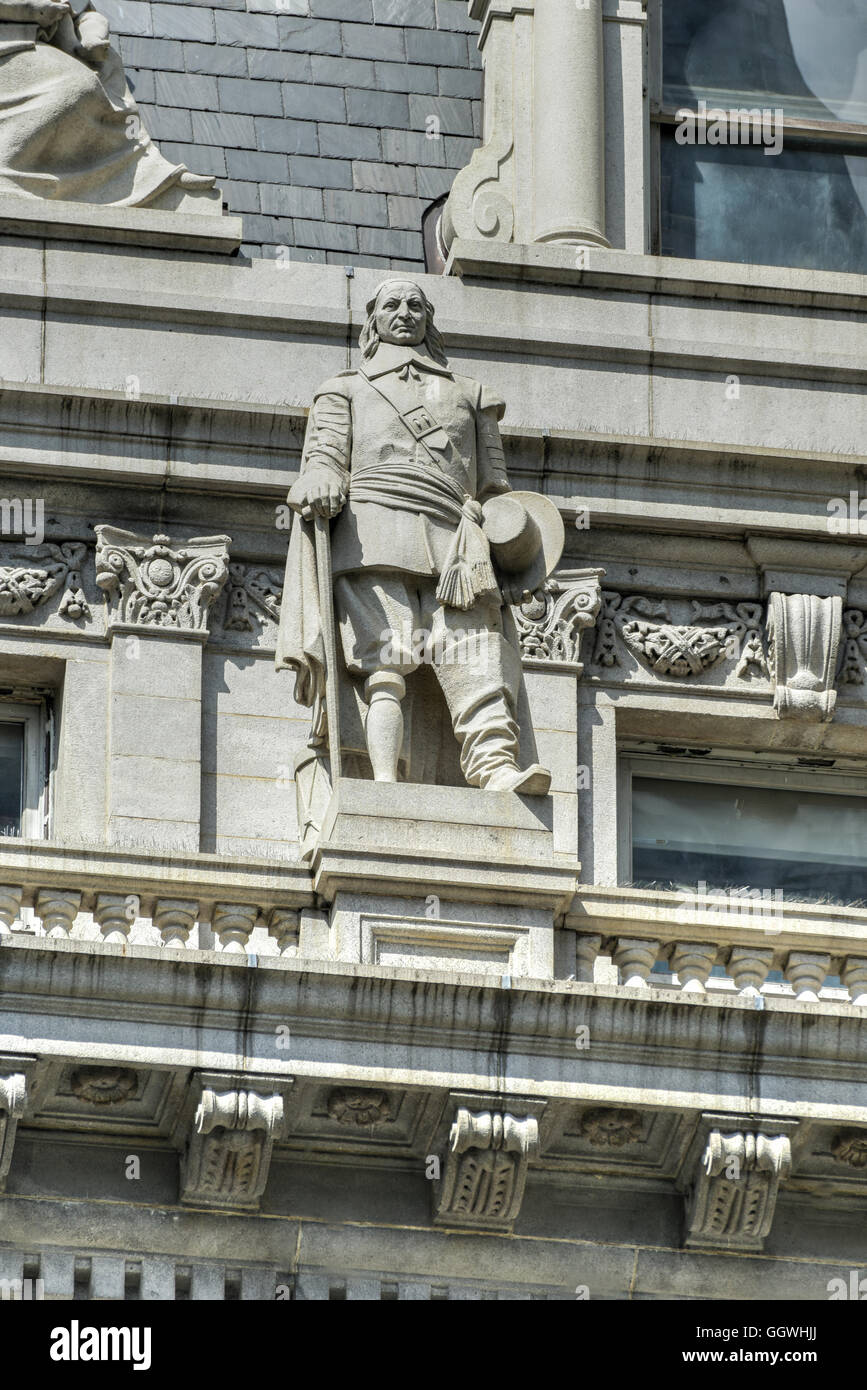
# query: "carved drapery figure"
[[69, 126], [428, 545]]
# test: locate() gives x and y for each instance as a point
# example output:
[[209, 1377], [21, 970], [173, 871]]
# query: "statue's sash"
[[420, 422]]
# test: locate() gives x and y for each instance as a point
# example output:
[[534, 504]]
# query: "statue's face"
[[400, 313]]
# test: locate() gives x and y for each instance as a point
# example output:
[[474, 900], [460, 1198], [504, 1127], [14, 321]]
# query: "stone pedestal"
[[439, 878]]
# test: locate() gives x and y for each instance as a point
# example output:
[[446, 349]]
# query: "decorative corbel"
[[732, 1196], [803, 639], [13, 1098], [229, 1151], [485, 1169]]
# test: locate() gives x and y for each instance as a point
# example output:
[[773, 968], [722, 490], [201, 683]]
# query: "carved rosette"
[[804, 638], [31, 576], [229, 1153], [486, 1169], [157, 584], [359, 1109], [735, 1192], [716, 632], [850, 1148], [550, 628], [610, 1128], [104, 1085]]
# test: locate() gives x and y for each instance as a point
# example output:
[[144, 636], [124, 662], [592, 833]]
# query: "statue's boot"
[[534, 781]]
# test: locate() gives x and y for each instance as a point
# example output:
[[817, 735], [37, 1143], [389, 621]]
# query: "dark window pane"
[[807, 845], [11, 777], [807, 56], [806, 206]]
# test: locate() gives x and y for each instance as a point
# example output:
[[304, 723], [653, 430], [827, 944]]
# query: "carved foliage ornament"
[[36, 573], [157, 583], [853, 657], [230, 1150], [716, 631], [550, 628], [486, 1169], [735, 1193]]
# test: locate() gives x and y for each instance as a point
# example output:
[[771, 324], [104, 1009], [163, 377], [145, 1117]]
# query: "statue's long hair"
[[370, 339]]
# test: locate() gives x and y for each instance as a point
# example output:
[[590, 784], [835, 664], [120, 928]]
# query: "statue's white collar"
[[390, 358]]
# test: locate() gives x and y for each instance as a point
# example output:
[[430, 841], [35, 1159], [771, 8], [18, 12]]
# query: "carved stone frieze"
[[157, 583], [32, 575], [803, 640], [714, 633], [13, 1097], [229, 1152], [485, 1169], [252, 598], [550, 628], [734, 1194], [853, 654]]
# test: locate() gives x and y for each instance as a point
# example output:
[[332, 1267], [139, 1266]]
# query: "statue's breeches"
[[390, 622]]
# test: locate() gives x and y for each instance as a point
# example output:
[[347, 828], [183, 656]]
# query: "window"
[[25, 761], [785, 181], [736, 822]]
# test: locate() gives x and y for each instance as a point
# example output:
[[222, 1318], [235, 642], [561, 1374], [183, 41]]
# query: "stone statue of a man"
[[406, 455]]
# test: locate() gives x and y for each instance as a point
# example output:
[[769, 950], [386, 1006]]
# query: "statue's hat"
[[526, 534]]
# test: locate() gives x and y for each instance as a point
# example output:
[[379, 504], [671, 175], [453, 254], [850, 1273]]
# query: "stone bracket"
[[230, 1138], [13, 1100], [484, 1168], [804, 638], [731, 1176]]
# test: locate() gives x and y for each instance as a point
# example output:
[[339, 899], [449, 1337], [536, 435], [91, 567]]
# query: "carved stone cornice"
[[550, 629], [803, 641], [485, 1169], [731, 1190], [158, 584], [229, 1150], [30, 576]]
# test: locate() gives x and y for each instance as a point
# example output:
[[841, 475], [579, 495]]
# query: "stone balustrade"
[[750, 937]]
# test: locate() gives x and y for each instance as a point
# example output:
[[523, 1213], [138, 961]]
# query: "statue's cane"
[[329, 636]]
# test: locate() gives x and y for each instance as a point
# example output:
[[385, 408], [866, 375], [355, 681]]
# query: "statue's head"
[[401, 313]]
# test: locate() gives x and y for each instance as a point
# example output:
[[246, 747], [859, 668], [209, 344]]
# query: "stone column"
[[160, 594], [569, 123]]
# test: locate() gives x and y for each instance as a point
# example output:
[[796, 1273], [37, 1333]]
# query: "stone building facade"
[[479, 1046]]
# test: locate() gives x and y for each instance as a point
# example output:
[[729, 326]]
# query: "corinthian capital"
[[157, 583]]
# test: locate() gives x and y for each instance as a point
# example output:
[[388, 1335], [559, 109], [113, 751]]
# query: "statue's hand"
[[94, 37], [317, 493]]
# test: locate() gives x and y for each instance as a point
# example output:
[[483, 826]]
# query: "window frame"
[[830, 133], [722, 767], [36, 781]]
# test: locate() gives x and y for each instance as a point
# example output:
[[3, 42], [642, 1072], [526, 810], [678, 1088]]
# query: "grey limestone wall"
[[331, 124]]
